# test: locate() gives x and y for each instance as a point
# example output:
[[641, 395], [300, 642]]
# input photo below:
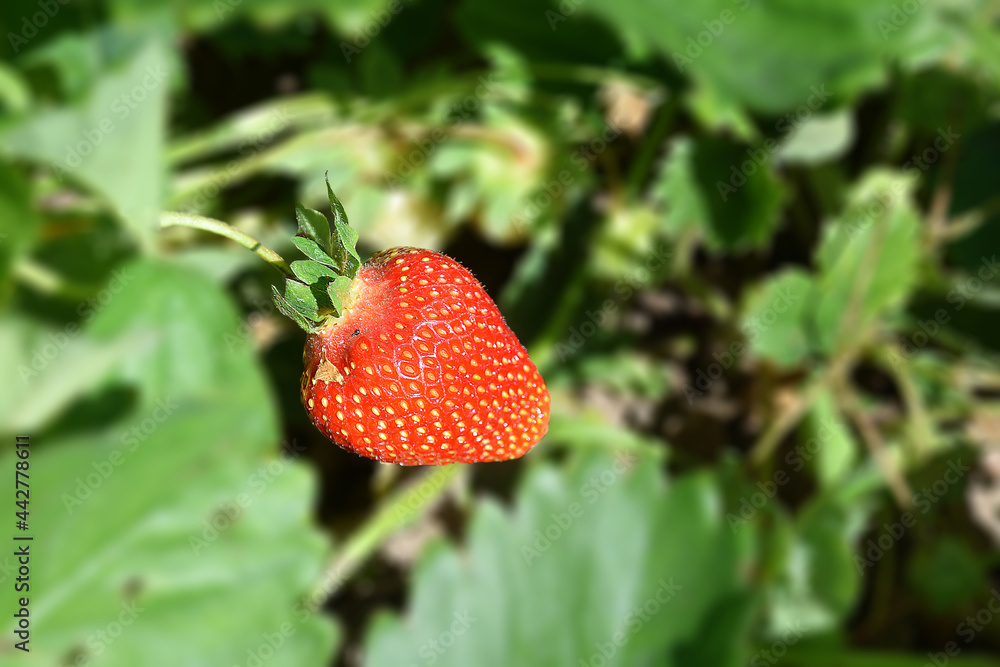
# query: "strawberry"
[[408, 360]]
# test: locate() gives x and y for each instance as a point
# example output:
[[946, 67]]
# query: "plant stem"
[[921, 427], [47, 281], [399, 511], [175, 219], [790, 416], [876, 444], [641, 166]]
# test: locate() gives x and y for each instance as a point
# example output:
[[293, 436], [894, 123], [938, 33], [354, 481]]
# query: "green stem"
[[650, 148], [789, 418], [46, 281], [920, 426], [175, 219], [400, 510]]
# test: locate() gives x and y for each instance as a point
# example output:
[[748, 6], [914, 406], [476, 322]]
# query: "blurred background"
[[751, 245]]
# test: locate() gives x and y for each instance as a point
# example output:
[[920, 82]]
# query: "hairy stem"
[[398, 511], [175, 219]]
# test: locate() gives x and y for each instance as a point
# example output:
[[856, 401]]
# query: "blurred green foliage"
[[750, 244]]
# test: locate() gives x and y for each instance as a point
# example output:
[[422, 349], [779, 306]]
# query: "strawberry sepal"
[[322, 281]]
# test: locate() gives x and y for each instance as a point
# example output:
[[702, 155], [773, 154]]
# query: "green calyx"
[[323, 280]]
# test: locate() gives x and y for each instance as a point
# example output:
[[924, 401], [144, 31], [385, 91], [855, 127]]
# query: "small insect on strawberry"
[[407, 360]]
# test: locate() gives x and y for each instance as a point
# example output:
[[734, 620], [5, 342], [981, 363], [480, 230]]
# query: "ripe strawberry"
[[411, 362], [422, 369]]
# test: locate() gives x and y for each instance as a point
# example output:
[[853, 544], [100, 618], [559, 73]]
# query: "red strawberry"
[[421, 369], [408, 360]]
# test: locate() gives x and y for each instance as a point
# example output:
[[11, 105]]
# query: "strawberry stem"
[[177, 219], [399, 511]]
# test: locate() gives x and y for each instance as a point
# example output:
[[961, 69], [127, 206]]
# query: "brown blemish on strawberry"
[[327, 372]]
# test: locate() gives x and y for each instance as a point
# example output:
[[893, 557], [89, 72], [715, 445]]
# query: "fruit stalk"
[[177, 219], [400, 510]]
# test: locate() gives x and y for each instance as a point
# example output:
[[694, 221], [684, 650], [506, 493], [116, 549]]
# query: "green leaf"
[[771, 57], [775, 322], [314, 225], [313, 251], [338, 291], [819, 578], [288, 311], [867, 261], [160, 516], [827, 441], [935, 100], [601, 539], [187, 325], [112, 142], [311, 272], [725, 191], [819, 138], [589, 430], [19, 221], [77, 60], [175, 555], [713, 644], [948, 573], [301, 299], [49, 369], [548, 38], [15, 94], [716, 111], [345, 237], [506, 186]]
